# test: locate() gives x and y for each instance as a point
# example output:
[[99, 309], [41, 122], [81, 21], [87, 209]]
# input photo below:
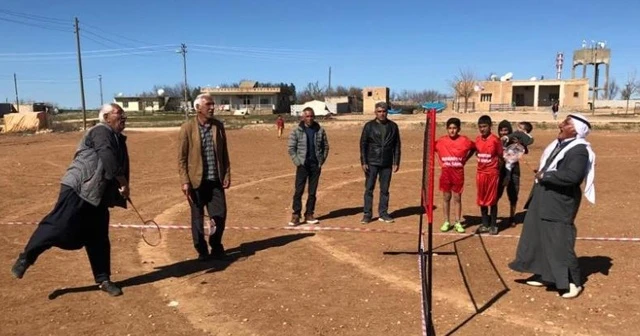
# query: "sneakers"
[[483, 229], [386, 219], [493, 230], [458, 227], [295, 220], [365, 220], [573, 292], [309, 219], [20, 266], [110, 288], [446, 227]]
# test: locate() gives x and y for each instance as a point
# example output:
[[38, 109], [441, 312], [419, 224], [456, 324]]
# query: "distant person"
[[554, 109], [280, 126], [547, 243], [379, 156], [96, 180], [205, 173], [308, 148], [453, 152], [489, 152]]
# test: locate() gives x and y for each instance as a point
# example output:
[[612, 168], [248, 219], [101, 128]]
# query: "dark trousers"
[[306, 173], [71, 225], [384, 174], [209, 194]]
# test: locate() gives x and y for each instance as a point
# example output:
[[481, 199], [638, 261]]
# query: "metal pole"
[[15, 83], [329, 88], [595, 78], [84, 107], [183, 51], [101, 98]]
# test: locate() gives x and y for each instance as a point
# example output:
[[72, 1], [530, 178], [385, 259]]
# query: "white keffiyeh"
[[589, 189]]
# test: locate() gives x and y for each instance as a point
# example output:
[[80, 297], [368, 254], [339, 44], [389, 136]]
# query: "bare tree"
[[313, 91], [418, 96], [612, 89], [463, 86], [630, 88]]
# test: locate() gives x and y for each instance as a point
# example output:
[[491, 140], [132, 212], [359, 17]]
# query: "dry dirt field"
[[290, 282]]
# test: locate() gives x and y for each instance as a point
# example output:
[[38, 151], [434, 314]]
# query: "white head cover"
[[581, 124]]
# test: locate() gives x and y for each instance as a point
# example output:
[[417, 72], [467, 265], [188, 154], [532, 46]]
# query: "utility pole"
[[329, 88], [183, 51], [100, 80], [15, 84], [84, 106], [595, 78]]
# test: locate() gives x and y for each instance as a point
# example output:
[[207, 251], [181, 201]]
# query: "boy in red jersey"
[[489, 152], [453, 152]]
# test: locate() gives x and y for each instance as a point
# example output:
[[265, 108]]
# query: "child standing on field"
[[489, 152], [280, 125], [453, 152]]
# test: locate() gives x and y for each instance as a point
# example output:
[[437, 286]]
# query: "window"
[[246, 100], [485, 97], [369, 93], [224, 101], [125, 104], [576, 94], [264, 101], [554, 96]]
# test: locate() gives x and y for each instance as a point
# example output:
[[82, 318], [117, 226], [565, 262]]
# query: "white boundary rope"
[[332, 228]]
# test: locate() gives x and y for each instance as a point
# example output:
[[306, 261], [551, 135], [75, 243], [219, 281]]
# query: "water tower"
[[595, 54]]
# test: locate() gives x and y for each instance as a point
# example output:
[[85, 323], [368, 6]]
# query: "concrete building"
[[257, 100], [148, 104], [372, 95], [529, 94]]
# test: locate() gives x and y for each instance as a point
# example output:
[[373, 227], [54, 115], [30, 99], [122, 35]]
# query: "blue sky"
[[401, 44]]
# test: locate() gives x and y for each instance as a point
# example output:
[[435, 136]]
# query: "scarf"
[[589, 189]]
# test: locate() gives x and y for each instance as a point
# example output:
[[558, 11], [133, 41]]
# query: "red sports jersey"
[[488, 152], [453, 153]]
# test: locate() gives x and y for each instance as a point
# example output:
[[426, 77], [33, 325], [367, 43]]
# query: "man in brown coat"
[[203, 165]]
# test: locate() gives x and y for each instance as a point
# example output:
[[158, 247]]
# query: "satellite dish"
[[120, 94], [506, 77], [494, 77], [533, 79], [477, 88], [160, 92]]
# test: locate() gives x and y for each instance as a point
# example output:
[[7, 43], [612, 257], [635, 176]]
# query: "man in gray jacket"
[[308, 149], [97, 179]]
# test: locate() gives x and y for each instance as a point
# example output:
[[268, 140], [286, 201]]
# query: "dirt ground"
[[291, 282]]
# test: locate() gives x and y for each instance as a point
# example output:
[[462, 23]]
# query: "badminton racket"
[[212, 222], [150, 230]]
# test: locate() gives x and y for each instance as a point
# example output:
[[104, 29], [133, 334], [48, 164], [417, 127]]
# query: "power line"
[[34, 17], [114, 34], [98, 51], [30, 24]]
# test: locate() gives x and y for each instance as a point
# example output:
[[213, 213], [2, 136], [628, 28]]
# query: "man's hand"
[[124, 191], [226, 183], [365, 168], [539, 175], [186, 188], [396, 168]]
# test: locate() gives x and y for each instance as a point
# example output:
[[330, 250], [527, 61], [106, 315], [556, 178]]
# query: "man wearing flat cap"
[[547, 243]]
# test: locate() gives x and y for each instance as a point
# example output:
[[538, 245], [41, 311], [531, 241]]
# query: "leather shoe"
[[20, 266], [111, 288]]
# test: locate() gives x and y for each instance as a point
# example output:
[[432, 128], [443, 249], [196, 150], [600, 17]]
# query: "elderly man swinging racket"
[[546, 246]]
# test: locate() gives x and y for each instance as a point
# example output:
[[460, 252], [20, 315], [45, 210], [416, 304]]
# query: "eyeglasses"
[[209, 104]]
